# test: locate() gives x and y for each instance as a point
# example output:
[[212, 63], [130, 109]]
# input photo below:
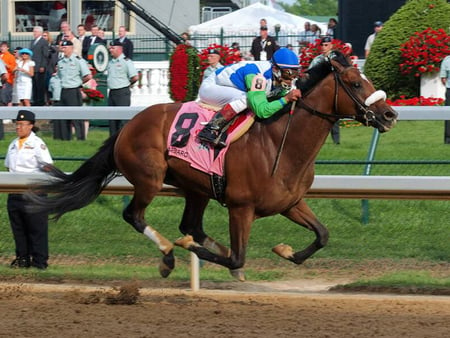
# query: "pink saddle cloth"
[[182, 141]]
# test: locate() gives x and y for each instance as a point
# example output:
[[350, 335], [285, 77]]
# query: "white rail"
[[324, 186], [406, 113]]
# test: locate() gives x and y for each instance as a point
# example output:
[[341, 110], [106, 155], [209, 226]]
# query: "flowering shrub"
[[416, 101], [92, 94], [424, 51], [184, 74], [314, 49], [227, 55]]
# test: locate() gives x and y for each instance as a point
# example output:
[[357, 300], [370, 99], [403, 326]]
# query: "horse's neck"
[[306, 137]]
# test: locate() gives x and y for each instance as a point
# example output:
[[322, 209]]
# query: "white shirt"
[[30, 157]]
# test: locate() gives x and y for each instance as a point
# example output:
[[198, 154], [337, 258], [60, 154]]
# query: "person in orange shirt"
[[10, 63]]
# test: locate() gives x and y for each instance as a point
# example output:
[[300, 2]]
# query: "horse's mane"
[[317, 73]]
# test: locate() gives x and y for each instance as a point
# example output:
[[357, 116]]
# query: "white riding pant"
[[217, 95]]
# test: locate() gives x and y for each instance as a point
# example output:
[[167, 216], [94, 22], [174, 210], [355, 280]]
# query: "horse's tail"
[[69, 192]]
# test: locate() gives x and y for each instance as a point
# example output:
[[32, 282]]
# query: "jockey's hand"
[[293, 95]]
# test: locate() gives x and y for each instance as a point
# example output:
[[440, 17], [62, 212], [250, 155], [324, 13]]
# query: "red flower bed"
[[424, 51], [416, 101], [227, 55]]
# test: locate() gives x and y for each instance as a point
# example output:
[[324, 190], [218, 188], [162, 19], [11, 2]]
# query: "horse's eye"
[[357, 85]]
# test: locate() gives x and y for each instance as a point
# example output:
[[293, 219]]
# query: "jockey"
[[252, 84]]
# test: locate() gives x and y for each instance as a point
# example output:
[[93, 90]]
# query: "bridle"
[[363, 115]]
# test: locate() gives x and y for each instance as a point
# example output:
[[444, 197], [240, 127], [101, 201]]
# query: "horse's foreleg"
[[240, 223], [303, 215], [192, 223], [134, 214]]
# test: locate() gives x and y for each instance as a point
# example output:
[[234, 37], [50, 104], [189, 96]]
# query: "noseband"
[[363, 115]]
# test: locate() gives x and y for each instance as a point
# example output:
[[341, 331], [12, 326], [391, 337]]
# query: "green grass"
[[398, 230]]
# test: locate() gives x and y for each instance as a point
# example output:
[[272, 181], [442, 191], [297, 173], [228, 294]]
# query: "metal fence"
[[154, 48]]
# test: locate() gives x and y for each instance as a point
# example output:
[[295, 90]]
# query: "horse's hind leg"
[[303, 215], [240, 220], [134, 214], [192, 223]]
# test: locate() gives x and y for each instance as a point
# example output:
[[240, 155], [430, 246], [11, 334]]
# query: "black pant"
[[447, 123], [2, 130], [30, 231], [39, 88], [336, 133], [70, 97], [118, 97]]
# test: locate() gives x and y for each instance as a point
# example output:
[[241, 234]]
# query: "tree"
[[312, 7]]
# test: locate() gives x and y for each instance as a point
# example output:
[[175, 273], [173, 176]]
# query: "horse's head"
[[356, 97]]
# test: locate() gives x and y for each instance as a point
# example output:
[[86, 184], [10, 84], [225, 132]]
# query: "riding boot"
[[212, 131]]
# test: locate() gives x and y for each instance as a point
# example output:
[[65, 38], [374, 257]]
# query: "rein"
[[364, 114]]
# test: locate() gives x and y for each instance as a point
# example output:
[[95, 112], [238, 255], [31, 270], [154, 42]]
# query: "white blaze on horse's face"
[[364, 77], [374, 97]]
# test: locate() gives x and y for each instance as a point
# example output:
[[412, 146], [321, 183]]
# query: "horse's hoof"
[[238, 274], [284, 250], [185, 242], [167, 265]]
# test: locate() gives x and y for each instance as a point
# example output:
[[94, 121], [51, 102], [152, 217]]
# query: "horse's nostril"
[[390, 115]]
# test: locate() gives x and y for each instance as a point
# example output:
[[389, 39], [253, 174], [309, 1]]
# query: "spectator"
[[378, 26], [72, 78], [64, 28], [316, 33], [126, 42], [27, 154], [186, 38], [213, 61], [77, 46], [326, 48], [10, 64], [101, 35], [24, 77], [237, 49], [3, 75], [305, 36], [39, 48], [264, 45], [56, 14], [332, 28], [444, 74], [93, 39], [81, 33], [53, 51], [121, 75], [15, 99]]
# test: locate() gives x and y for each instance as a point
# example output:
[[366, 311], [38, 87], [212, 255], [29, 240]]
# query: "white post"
[[195, 272]]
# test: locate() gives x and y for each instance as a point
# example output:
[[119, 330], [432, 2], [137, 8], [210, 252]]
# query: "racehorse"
[[335, 89]]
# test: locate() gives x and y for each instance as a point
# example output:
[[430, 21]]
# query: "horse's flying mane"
[[317, 73]]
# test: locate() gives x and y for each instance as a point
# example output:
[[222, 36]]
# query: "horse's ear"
[[338, 60], [336, 65]]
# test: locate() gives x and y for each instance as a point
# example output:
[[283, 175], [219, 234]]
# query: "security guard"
[[26, 154], [73, 71], [121, 75]]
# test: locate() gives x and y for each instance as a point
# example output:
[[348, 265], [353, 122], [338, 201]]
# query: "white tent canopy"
[[245, 22]]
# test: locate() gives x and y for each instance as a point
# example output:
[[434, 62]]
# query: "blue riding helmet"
[[284, 58]]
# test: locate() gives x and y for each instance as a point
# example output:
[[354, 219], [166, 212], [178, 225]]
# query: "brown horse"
[[139, 152]]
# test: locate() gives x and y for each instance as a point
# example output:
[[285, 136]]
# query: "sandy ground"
[[269, 309]]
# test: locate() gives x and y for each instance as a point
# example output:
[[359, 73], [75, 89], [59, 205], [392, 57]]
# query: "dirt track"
[[32, 310]]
